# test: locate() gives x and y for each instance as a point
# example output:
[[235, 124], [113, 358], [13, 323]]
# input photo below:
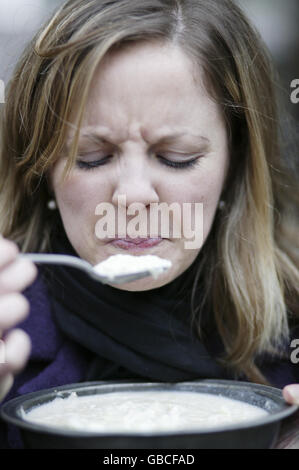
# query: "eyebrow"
[[91, 136], [104, 137], [171, 137], [94, 137]]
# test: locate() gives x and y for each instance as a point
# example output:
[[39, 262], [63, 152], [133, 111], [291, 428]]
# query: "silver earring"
[[221, 205], [52, 206]]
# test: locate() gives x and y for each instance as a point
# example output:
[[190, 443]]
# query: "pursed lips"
[[137, 240], [128, 243]]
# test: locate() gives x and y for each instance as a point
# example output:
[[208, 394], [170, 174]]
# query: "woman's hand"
[[15, 275], [291, 394]]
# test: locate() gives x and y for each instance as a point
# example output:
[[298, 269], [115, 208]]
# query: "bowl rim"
[[9, 410]]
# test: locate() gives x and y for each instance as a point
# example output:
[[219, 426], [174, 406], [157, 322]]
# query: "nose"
[[136, 181]]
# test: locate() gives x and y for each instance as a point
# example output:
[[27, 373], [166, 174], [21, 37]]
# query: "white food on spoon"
[[117, 265]]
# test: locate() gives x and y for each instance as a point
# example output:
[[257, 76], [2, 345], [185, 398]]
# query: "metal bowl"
[[258, 434]]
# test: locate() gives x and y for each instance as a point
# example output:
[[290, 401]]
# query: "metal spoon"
[[79, 263]]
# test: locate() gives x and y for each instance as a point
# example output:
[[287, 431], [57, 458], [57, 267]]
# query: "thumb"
[[291, 394]]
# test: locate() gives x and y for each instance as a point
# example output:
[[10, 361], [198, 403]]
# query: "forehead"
[[149, 86], [148, 57], [145, 69]]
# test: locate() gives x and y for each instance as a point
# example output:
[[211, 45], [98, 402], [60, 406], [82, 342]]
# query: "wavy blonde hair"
[[250, 258]]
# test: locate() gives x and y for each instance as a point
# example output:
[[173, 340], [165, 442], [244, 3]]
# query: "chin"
[[143, 284]]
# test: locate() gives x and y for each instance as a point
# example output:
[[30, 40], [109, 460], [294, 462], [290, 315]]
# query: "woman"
[[160, 102]]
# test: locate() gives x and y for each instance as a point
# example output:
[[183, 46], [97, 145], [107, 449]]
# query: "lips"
[[135, 243]]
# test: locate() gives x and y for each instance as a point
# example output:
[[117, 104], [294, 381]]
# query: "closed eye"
[[178, 164], [184, 164], [88, 165]]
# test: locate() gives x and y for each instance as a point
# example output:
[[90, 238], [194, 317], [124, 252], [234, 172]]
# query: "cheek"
[[80, 194], [204, 187]]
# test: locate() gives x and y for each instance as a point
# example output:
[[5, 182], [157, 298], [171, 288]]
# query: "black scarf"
[[144, 335]]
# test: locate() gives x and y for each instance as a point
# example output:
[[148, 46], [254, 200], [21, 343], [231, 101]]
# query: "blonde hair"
[[250, 258]]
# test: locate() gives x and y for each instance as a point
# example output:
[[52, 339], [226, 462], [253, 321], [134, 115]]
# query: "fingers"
[[17, 275], [5, 385], [291, 394], [13, 309], [8, 252], [16, 353]]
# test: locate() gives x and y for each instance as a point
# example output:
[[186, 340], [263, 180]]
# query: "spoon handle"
[[67, 260]]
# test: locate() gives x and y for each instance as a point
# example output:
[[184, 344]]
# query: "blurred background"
[[277, 21]]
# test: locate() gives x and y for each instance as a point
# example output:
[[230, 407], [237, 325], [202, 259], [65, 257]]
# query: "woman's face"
[[147, 114]]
